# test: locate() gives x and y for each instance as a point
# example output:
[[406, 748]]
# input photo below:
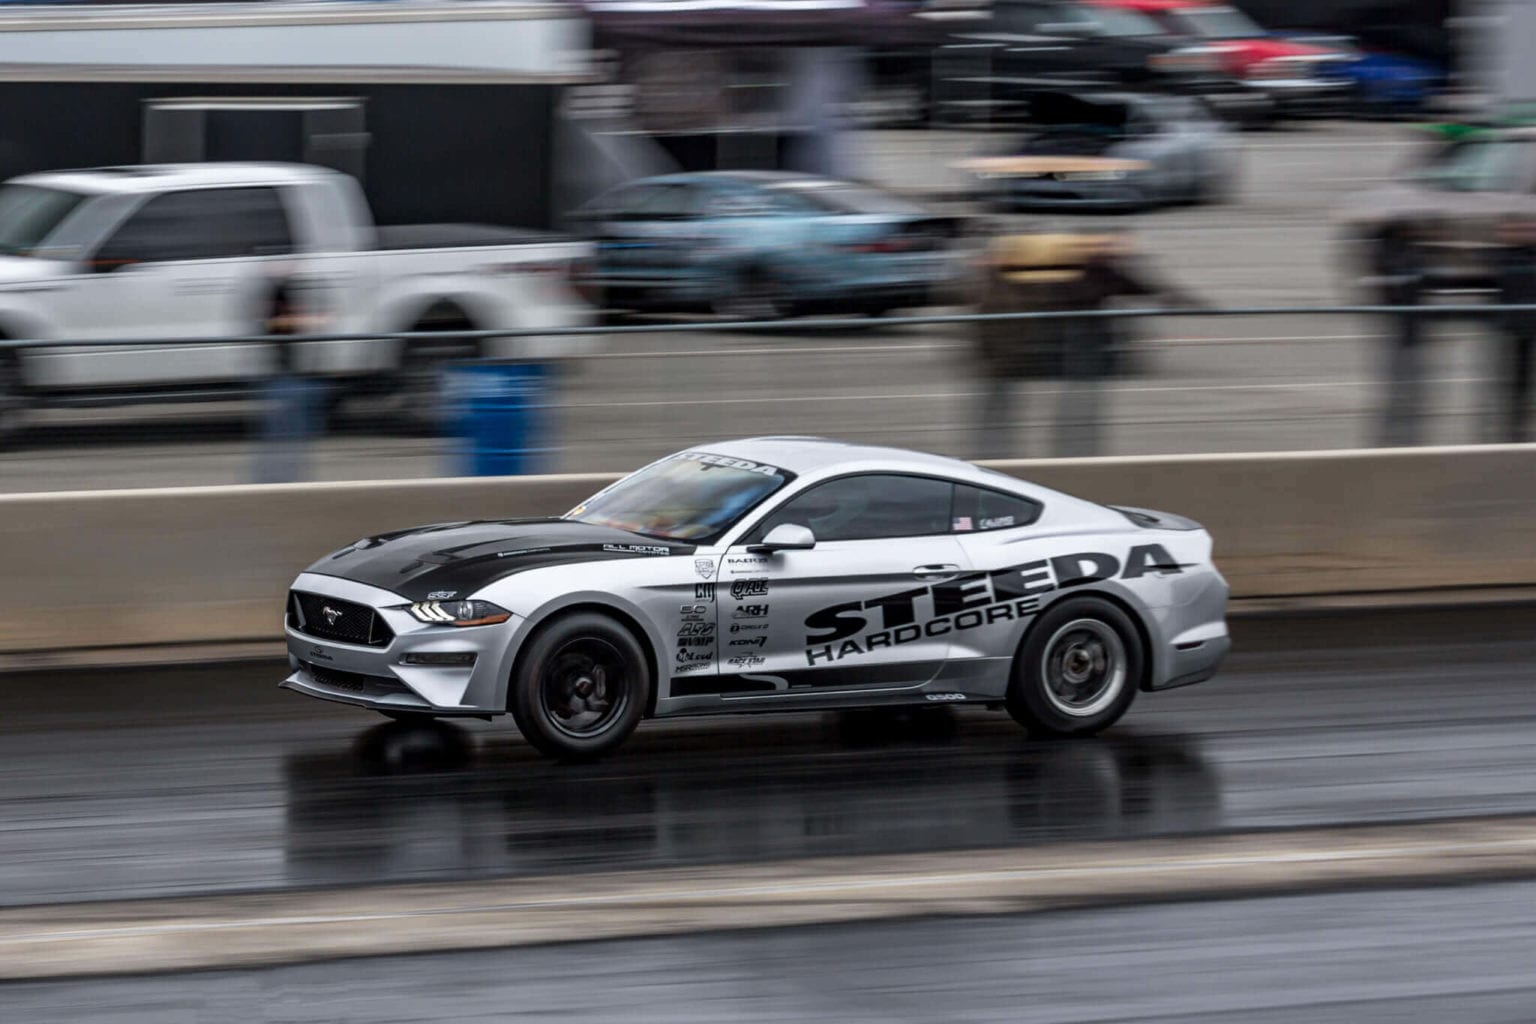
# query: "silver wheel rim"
[[1083, 667]]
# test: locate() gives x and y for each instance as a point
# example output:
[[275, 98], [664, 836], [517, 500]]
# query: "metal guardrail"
[[1480, 310]]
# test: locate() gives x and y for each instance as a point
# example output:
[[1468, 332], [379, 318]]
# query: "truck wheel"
[[417, 384], [580, 687], [1077, 670]]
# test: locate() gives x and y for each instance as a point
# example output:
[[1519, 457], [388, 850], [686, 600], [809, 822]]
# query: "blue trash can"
[[501, 410]]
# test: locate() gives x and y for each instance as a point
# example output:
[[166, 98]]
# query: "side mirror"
[[785, 537]]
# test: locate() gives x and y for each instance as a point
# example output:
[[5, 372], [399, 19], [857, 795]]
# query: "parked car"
[[1380, 82], [759, 245], [1111, 151], [150, 254], [995, 56], [1290, 77], [1441, 219]]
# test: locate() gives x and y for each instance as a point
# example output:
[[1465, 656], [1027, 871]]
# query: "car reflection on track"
[[764, 790], [759, 245]]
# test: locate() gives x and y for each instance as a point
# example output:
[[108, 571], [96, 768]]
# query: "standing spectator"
[[1517, 287], [1400, 282], [292, 400], [1054, 272]]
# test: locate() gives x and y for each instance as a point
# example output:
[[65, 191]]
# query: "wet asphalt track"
[[129, 783], [1377, 957]]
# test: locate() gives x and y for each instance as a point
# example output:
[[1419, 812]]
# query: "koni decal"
[[968, 602]]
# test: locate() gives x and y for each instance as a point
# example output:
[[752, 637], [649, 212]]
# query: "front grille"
[[330, 619], [354, 682]]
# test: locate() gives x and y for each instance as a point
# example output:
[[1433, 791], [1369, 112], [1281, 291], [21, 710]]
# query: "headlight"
[[459, 613]]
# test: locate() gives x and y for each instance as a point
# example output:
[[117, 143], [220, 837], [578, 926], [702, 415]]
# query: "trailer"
[[444, 112]]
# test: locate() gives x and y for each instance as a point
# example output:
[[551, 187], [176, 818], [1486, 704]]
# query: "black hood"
[[453, 560]]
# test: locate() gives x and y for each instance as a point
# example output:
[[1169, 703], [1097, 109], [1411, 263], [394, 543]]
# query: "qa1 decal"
[[757, 587], [969, 601]]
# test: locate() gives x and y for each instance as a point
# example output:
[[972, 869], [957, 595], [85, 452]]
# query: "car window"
[[839, 197], [866, 507], [667, 201], [740, 203], [978, 509], [1022, 19], [28, 215], [202, 224]]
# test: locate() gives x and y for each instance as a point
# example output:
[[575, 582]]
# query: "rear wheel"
[[580, 687], [1078, 669]]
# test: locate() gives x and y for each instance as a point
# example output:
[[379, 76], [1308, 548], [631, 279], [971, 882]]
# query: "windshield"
[[692, 496], [1486, 165], [1115, 21], [840, 197], [1219, 23], [28, 215]]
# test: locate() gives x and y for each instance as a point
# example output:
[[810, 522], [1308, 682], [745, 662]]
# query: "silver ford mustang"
[[770, 574]]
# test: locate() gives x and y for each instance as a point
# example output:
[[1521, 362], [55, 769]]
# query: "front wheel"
[[1078, 669], [580, 687]]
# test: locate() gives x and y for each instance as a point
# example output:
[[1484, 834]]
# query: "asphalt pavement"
[[1398, 955], [1205, 385], [150, 782]]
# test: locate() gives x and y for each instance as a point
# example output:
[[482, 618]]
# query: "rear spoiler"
[[1147, 519]]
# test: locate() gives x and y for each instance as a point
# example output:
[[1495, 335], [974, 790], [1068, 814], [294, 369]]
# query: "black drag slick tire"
[[580, 687], [1077, 670]]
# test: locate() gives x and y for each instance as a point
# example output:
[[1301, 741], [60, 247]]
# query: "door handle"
[[942, 571]]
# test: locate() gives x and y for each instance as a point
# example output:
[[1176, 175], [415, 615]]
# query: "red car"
[[1289, 74]]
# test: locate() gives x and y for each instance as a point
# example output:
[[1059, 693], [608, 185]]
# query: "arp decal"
[[969, 601], [757, 587], [696, 629], [703, 591]]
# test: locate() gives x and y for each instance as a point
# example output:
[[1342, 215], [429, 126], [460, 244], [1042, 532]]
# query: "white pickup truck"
[[208, 250]]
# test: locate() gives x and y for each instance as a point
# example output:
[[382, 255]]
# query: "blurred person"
[[1041, 272], [1517, 287], [292, 401], [1400, 282]]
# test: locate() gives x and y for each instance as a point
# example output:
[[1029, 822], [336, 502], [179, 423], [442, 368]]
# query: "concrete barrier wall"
[[187, 565]]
